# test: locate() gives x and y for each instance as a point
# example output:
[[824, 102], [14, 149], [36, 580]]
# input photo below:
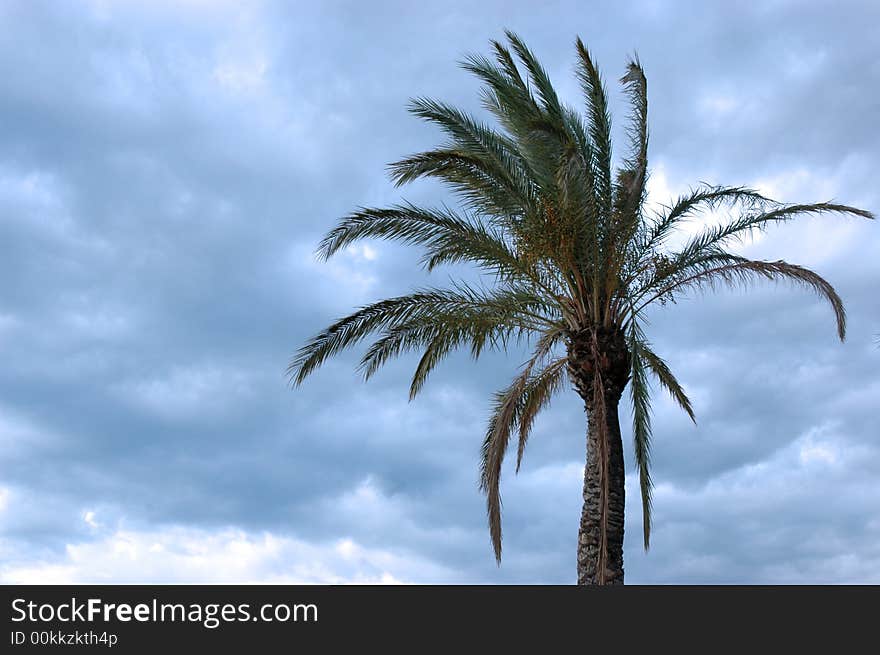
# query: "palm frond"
[[437, 349], [667, 380], [495, 155], [539, 77], [747, 270], [702, 197], [538, 136], [507, 413], [439, 334], [630, 189], [508, 65], [700, 253], [636, 86], [737, 229], [431, 305], [496, 191], [447, 237], [541, 389], [537, 397], [599, 121]]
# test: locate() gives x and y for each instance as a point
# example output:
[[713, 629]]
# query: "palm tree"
[[574, 259]]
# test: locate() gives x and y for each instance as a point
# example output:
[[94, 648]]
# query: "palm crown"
[[575, 257]]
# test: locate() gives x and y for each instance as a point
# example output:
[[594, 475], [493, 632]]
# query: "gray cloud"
[[165, 174]]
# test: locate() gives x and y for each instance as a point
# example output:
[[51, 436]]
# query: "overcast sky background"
[[166, 171]]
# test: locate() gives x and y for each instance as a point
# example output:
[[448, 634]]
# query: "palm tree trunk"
[[598, 365], [590, 555]]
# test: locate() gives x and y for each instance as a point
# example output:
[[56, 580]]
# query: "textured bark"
[[598, 364]]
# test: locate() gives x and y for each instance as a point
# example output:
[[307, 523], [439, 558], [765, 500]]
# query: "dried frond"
[[640, 393]]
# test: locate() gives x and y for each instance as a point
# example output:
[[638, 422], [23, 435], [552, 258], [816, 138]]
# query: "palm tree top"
[[574, 254]]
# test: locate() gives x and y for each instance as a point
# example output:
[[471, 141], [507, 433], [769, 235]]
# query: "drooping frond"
[[737, 229], [748, 270], [667, 380], [536, 398], [442, 332], [542, 388], [436, 350], [643, 359], [640, 393], [515, 305], [704, 252], [528, 392], [438, 334], [501, 424]]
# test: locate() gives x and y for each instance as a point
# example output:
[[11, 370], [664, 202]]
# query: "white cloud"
[[241, 76], [154, 140], [350, 275], [718, 108], [719, 104], [231, 556], [814, 239], [89, 518], [664, 190]]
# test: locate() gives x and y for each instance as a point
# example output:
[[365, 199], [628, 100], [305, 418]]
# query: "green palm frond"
[[535, 124], [452, 330], [703, 197], [744, 271], [479, 158], [483, 185], [599, 121], [436, 350], [447, 236], [538, 76], [515, 305], [635, 85], [502, 422], [739, 228], [643, 359], [508, 65], [704, 255]]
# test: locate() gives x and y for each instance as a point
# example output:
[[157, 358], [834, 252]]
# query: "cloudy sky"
[[166, 171]]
